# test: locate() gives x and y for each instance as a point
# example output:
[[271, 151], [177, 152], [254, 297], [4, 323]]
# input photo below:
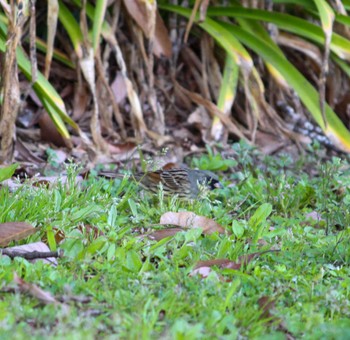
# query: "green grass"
[[120, 285]]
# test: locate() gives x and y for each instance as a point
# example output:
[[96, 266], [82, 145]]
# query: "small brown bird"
[[186, 183]]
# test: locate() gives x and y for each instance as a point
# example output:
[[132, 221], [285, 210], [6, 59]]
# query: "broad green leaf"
[[133, 262], [326, 15], [260, 215], [78, 214], [339, 45], [335, 130], [101, 6], [73, 29], [7, 172], [96, 245], [238, 228], [51, 238]]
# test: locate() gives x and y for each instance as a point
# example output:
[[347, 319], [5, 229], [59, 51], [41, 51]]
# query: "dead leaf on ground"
[[201, 119], [203, 268], [91, 230], [38, 293], [266, 305], [269, 143], [186, 219], [49, 181], [15, 231], [125, 149], [25, 154], [164, 233]]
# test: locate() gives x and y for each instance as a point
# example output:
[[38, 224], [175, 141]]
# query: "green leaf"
[[51, 238], [260, 215], [7, 172], [339, 45], [96, 245], [237, 228], [133, 262]]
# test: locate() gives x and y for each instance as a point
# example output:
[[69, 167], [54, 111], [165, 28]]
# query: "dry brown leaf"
[[164, 233], [201, 119], [203, 268], [25, 154], [80, 101], [141, 12], [301, 45], [266, 304], [59, 236], [15, 231], [269, 143], [126, 148], [212, 109], [118, 87], [218, 262], [91, 230], [34, 290], [202, 271], [186, 219], [49, 133]]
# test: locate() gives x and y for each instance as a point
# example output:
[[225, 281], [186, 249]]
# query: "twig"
[[30, 255]]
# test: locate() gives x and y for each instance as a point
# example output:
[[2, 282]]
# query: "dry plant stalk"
[[10, 84]]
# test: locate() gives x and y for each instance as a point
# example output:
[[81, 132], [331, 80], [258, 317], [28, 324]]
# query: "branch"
[[30, 255]]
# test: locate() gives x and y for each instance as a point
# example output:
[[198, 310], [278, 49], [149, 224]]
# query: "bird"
[[184, 182]]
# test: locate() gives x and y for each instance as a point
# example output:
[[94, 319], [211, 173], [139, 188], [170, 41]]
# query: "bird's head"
[[208, 179]]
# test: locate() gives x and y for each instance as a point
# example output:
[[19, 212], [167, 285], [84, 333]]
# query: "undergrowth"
[[115, 281]]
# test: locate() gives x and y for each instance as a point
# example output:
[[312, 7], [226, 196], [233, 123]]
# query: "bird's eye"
[[213, 183]]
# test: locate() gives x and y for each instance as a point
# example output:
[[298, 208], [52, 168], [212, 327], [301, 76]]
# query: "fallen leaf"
[[164, 233], [59, 236], [126, 149], [266, 304], [34, 290], [202, 271], [90, 230], [225, 263], [25, 154], [15, 231], [186, 219]]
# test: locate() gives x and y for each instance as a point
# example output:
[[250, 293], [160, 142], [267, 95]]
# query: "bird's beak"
[[218, 185]]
